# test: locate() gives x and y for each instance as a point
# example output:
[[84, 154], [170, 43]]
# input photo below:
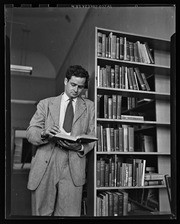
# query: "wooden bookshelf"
[[159, 128]]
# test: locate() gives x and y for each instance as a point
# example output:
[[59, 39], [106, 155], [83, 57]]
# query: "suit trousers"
[[57, 195]]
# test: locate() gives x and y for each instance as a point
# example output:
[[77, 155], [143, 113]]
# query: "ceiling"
[[50, 31]]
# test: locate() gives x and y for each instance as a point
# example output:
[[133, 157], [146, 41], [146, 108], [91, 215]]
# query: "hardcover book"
[[80, 138]]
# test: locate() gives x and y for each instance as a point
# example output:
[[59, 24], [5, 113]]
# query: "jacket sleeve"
[[37, 125], [91, 131]]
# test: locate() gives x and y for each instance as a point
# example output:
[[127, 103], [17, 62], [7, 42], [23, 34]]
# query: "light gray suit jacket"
[[47, 114]]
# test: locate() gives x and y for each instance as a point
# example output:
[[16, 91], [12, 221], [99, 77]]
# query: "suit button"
[[46, 161]]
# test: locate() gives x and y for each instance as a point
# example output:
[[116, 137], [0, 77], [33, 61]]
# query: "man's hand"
[[50, 132], [69, 145]]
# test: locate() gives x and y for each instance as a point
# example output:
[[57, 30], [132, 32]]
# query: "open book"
[[80, 138]]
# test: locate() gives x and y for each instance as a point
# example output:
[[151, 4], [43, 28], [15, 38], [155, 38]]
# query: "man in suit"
[[57, 172]]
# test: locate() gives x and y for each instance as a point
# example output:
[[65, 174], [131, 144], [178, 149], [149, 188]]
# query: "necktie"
[[69, 115]]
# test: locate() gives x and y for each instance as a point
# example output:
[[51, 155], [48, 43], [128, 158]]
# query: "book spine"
[[104, 140], [140, 78], [114, 106], [131, 138], [113, 46], [108, 75], [121, 48], [104, 77], [145, 81], [112, 84], [149, 53], [110, 106], [112, 139], [102, 173], [98, 178], [103, 45], [117, 47], [99, 44], [116, 79], [108, 139], [131, 51], [121, 144]]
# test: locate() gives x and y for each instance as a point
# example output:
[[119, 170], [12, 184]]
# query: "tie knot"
[[70, 99]]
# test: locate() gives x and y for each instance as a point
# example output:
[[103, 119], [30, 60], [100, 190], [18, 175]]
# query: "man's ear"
[[65, 81]]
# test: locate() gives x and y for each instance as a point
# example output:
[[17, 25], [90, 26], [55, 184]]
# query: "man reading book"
[[57, 172]]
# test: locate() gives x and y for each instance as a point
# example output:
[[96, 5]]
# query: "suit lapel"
[[55, 109], [80, 108]]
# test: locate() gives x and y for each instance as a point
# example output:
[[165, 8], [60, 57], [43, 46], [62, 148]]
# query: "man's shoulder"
[[88, 102], [48, 100]]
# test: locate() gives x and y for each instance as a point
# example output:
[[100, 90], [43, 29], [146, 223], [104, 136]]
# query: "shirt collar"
[[66, 97]]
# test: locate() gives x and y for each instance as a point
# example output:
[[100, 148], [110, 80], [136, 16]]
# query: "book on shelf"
[[153, 182], [140, 79], [149, 53], [112, 81], [120, 173], [115, 139], [154, 176], [145, 81], [99, 44], [103, 45], [121, 48], [125, 201], [80, 138], [116, 76], [108, 74], [144, 100], [131, 51], [113, 46], [110, 203], [132, 117], [148, 143], [117, 47]]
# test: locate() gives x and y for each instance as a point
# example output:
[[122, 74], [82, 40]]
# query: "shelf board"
[[133, 93], [140, 187], [134, 153], [23, 101], [154, 66], [21, 166], [133, 121]]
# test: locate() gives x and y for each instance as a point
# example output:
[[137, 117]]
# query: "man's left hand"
[[75, 146]]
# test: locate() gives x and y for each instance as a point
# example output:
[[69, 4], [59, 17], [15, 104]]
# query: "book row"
[[119, 173], [130, 172], [120, 48], [122, 77], [115, 139], [112, 203], [112, 106]]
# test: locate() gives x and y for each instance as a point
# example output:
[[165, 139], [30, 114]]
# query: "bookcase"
[[132, 123]]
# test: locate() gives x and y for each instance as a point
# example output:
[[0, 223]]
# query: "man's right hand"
[[50, 132]]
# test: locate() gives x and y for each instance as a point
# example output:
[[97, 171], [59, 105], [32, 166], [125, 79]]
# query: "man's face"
[[74, 86]]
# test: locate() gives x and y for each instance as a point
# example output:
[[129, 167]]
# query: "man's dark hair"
[[78, 71]]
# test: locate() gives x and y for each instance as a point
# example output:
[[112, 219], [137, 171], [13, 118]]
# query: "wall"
[[24, 87], [157, 22]]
